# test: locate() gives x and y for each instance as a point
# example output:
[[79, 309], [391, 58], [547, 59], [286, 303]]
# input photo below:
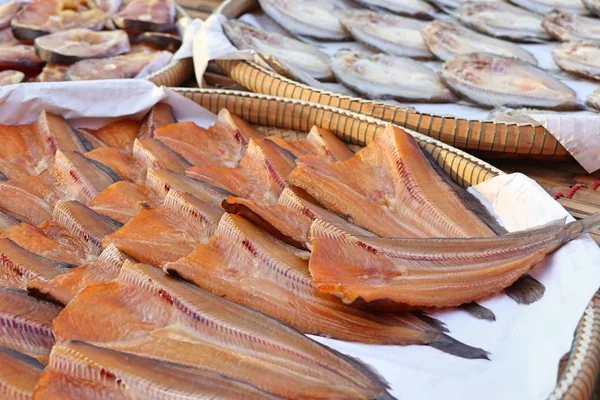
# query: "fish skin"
[[438, 272], [160, 115], [536, 88], [78, 370], [166, 233], [410, 8], [298, 54], [124, 165], [593, 100], [545, 6], [190, 326], [122, 201], [248, 266], [119, 134], [579, 58], [18, 381], [319, 19], [504, 21], [64, 287], [568, 27], [151, 153], [20, 57], [383, 32], [447, 39], [376, 77], [319, 141], [26, 323]]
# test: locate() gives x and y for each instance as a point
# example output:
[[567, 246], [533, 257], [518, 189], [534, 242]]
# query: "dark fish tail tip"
[[526, 290], [478, 311], [433, 322], [449, 345]]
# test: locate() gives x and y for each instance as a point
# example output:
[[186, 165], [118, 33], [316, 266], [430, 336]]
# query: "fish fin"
[[587, 224], [526, 290], [366, 369], [433, 322], [449, 345], [478, 311]]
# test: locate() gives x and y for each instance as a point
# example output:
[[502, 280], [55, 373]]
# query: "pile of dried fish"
[[56, 40]]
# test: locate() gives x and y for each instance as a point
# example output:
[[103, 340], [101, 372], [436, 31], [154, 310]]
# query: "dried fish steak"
[[569, 27], [580, 58]]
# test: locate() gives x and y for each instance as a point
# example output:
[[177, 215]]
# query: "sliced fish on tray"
[[7, 38], [388, 33], [152, 153], [120, 134], [303, 56], [20, 57], [110, 7], [491, 81], [7, 12], [7, 220], [382, 76], [20, 376], [121, 163], [319, 141], [447, 39], [319, 19], [160, 40], [68, 47], [579, 58], [160, 115], [411, 8], [545, 6], [571, 27], [451, 5], [122, 200], [79, 370], [502, 20], [146, 15], [190, 326], [162, 181]]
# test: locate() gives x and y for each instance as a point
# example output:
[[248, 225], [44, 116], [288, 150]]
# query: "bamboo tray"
[[578, 377], [491, 138]]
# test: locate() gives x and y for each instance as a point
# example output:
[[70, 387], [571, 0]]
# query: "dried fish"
[[299, 55], [593, 100], [160, 40], [146, 15], [592, 6], [385, 77], [19, 375], [318, 19], [580, 58], [388, 33], [451, 5], [53, 73], [492, 81], [571, 27], [504, 21], [447, 39], [122, 200], [411, 8], [160, 115], [20, 57], [10, 77], [7, 12], [545, 6]]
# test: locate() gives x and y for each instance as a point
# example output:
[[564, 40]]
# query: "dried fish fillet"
[[68, 47], [451, 5], [146, 15], [546, 6], [411, 8], [502, 20], [122, 200], [571, 27], [7, 220], [29, 199], [299, 55], [447, 39], [319, 141], [19, 375], [151, 153], [161, 181], [580, 58], [491, 80], [7, 12], [431, 272], [319, 19], [160, 115], [387, 77], [20, 57], [190, 326], [119, 134], [78, 370]]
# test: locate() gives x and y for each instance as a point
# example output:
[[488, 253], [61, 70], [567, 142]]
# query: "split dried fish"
[[593, 100], [504, 21], [19, 376], [411, 8], [7, 12], [447, 39], [579, 58], [545, 6], [318, 19], [302, 56], [431, 272], [571, 27], [122, 200], [492, 81], [388, 33], [387, 77]]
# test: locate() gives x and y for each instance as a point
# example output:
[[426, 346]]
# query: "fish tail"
[[449, 345], [526, 290], [478, 311], [585, 225], [432, 322]]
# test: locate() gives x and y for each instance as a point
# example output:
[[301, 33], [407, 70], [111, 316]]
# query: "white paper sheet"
[[526, 342], [211, 44]]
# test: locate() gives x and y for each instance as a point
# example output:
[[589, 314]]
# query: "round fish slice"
[[7, 12], [579, 58], [493, 81], [447, 39], [570, 27], [382, 76], [74, 45], [388, 33], [10, 77]]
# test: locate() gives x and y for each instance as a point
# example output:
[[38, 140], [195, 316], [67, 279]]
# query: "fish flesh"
[[29, 199], [56, 134], [18, 381], [20, 57], [410, 8], [320, 142], [41, 17], [160, 115], [388, 33], [64, 287], [431, 272], [169, 232], [248, 266], [120, 134], [381, 76], [571, 27], [122, 164], [319, 19], [7, 220], [404, 196], [53, 73], [152, 153], [504, 21], [18, 266], [160, 40], [162, 181], [190, 326], [146, 15], [593, 100], [26, 323], [68, 47], [580, 58], [7, 12], [299, 55], [122, 200], [447, 39], [545, 6], [79, 370], [492, 80], [260, 175], [592, 6], [20, 151]]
